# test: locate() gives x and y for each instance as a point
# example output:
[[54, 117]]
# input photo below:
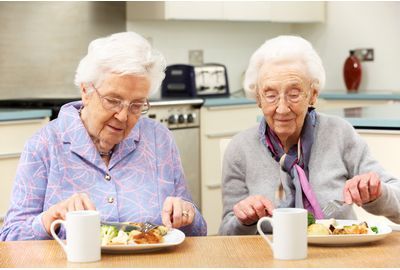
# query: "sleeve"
[[199, 226], [234, 189], [360, 161], [24, 218]]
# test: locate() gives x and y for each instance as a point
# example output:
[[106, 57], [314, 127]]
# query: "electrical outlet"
[[196, 57], [365, 54]]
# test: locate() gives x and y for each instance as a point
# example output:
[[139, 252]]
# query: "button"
[[107, 177], [110, 199]]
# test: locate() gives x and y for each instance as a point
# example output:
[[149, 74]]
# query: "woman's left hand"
[[362, 189], [177, 213]]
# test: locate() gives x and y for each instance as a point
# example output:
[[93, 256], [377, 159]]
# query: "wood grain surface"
[[210, 251]]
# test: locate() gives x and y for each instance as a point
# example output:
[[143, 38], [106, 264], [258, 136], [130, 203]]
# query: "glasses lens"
[[111, 103]]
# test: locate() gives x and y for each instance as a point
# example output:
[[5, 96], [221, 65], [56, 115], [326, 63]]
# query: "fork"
[[332, 207], [147, 226]]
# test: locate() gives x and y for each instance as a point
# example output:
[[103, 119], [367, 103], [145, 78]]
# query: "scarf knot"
[[295, 163]]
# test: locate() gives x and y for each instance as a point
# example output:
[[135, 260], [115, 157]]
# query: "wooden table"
[[210, 251]]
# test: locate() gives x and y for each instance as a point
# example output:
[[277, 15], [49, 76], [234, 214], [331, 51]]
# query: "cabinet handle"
[[222, 134], [24, 122], [214, 186], [9, 155]]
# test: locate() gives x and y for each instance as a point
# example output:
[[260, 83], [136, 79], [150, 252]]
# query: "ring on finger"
[[185, 213]]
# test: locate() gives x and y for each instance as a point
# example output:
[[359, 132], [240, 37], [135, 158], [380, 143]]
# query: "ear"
[[314, 96], [258, 99], [84, 94]]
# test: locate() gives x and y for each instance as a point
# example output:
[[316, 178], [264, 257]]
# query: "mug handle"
[[261, 220], [55, 236]]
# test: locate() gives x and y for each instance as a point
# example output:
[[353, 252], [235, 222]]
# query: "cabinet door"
[[13, 135], [194, 10], [8, 165], [231, 11], [384, 146], [275, 11], [218, 124], [171, 10]]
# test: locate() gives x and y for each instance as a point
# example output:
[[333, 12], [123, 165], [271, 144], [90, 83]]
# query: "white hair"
[[125, 53], [282, 48]]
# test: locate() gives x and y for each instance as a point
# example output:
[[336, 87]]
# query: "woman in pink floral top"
[[101, 154]]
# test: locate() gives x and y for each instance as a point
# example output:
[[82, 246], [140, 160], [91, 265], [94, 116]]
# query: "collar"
[[75, 134]]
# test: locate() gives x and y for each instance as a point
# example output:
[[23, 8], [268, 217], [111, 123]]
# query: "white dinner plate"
[[352, 239], [173, 238]]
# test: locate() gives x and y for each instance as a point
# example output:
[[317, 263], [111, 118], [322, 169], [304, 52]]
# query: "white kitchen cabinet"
[[275, 11], [289, 12], [218, 123], [384, 146], [13, 135]]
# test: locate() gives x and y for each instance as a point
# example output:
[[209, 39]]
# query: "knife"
[[122, 226]]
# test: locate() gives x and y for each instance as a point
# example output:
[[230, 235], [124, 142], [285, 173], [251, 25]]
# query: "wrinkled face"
[[284, 95], [109, 127]]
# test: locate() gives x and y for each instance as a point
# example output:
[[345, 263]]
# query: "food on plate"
[[110, 235], [330, 227], [318, 229]]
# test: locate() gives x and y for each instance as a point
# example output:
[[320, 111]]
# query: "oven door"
[[188, 142]]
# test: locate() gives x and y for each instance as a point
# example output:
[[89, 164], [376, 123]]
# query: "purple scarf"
[[297, 164]]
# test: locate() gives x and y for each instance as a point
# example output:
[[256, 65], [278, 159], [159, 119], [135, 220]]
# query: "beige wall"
[[41, 44]]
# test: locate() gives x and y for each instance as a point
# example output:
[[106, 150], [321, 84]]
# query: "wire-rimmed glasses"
[[272, 97], [116, 104]]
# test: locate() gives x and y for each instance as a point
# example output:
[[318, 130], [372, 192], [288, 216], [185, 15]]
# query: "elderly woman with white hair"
[[297, 157], [101, 154]]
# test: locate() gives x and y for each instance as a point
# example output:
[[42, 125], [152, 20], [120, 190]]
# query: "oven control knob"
[[181, 119], [190, 118], [172, 119]]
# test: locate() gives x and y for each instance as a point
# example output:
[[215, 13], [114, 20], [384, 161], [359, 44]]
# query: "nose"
[[282, 106], [122, 115]]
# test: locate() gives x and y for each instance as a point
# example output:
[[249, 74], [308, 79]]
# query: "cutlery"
[[122, 226], [127, 227], [394, 227], [332, 207], [148, 226]]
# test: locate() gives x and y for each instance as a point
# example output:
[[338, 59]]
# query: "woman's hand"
[[78, 201], [251, 209], [363, 188], [177, 213]]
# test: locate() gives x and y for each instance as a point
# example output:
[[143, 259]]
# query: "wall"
[[348, 25], [229, 43], [351, 25], [42, 42]]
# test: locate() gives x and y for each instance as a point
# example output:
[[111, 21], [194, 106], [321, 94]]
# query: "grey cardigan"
[[338, 154]]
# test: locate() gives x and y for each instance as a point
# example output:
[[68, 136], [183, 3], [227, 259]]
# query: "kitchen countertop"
[[361, 95], [373, 117], [22, 114], [228, 101]]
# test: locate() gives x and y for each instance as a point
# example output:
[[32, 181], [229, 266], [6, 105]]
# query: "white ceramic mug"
[[83, 236], [289, 238]]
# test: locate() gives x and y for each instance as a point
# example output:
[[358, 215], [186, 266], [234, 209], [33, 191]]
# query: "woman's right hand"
[[78, 201], [251, 209]]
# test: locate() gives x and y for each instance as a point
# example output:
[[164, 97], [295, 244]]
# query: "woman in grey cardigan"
[[297, 157]]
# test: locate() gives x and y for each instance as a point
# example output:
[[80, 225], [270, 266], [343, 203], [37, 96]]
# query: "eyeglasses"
[[272, 97], [116, 104]]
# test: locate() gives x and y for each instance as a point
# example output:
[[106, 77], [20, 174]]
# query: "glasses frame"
[[121, 104]]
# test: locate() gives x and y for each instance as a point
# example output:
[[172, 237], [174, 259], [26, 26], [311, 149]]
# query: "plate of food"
[[128, 237], [332, 232]]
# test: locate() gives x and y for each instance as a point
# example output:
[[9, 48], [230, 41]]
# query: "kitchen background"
[[41, 44]]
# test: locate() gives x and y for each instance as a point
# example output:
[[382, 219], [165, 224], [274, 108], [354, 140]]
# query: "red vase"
[[352, 72]]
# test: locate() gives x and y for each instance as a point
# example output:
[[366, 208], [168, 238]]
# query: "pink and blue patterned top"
[[61, 160]]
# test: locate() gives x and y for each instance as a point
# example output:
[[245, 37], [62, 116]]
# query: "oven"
[[182, 117]]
